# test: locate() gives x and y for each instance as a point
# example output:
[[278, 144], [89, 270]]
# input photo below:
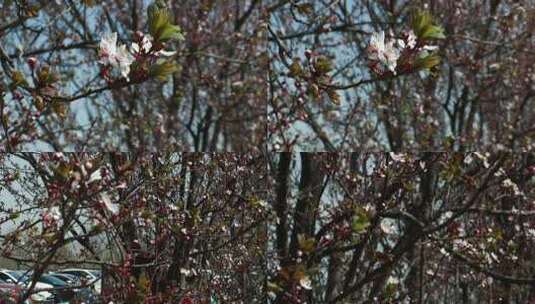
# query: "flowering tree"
[[170, 81], [314, 228], [162, 227], [83, 74], [401, 75], [399, 228]]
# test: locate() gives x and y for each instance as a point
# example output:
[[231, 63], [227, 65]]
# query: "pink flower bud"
[[17, 95], [138, 36], [32, 62]]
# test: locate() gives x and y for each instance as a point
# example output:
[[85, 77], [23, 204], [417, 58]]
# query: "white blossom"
[[165, 53], [484, 158], [508, 183], [115, 55], [468, 159], [306, 283], [384, 51], [430, 47], [387, 226], [95, 176], [392, 280], [185, 272], [398, 157], [146, 47], [51, 218], [113, 208], [411, 41]]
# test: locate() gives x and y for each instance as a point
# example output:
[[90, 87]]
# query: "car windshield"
[[52, 280], [64, 277], [86, 274], [20, 276]]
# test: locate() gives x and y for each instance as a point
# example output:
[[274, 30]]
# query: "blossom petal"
[[166, 53], [113, 208]]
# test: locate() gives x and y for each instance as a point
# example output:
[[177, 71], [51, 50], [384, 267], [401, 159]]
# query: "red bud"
[[32, 62]]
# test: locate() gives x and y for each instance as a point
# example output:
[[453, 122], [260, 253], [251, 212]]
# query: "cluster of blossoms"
[[51, 218], [508, 183], [145, 45], [384, 52], [389, 54], [116, 55]]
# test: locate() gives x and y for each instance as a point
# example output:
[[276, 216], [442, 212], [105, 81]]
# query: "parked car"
[[82, 294], [67, 278], [91, 277], [21, 278], [63, 291]]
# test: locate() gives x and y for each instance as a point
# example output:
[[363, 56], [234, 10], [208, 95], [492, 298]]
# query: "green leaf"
[[163, 69], [273, 286], [157, 4], [313, 90], [160, 26], [170, 32], [322, 65], [295, 69], [97, 228], [390, 289], [433, 32], [428, 61], [419, 21], [39, 103], [5, 119], [64, 169], [143, 283], [49, 237], [305, 244], [46, 76], [59, 108], [18, 79], [299, 273], [158, 19], [423, 26], [360, 220]]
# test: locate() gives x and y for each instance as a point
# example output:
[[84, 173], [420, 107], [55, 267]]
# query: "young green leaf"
[[305, 244], [360, 220], [295, 69], [157, 20], [419, 21], [428, 61], [39, 103], [322, 65], [59, 108], [433, 32], [170, 32], [424, 27], [160, 26], [18, 79], [161, 70]]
